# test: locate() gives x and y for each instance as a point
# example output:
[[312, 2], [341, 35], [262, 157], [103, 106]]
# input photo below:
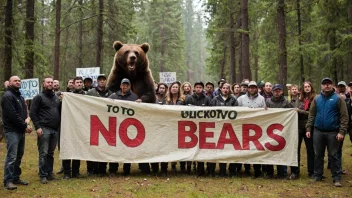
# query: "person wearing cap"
[[217, 90], [341, 90], [87, 83], [124, 93], [98, 91], [199, 99], [266, 93], [277, 101], [224, 99], [251, 99], [244, 86], [260, 86], [328, 114], [209, 89], [302, 105]]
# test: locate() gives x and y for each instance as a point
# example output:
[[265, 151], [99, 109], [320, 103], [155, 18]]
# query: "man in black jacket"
[[45, 114], [16, 124], [199, 99], [125, 93]]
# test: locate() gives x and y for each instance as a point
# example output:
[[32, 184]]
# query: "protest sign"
[[167, 77], [29, 88], [103, 129], [92, 72]]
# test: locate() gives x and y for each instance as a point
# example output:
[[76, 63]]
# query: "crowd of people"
[[323, 121]]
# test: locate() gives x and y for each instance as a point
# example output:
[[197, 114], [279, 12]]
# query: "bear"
[[131, 62]]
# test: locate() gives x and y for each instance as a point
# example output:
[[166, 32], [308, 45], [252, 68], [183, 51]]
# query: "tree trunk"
[[100, 36], [301, 66], [188, 32], [256, 67], [245, 41], [232, 44], [239, 39], [350, 42], [282, 43], [8, 40], [222, 70], [57, 41], [80, 35], [334, 59], [29, 49]]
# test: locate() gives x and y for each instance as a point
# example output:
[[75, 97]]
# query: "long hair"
[[182, 91], [169, 95], [310, 95], [159, 84]]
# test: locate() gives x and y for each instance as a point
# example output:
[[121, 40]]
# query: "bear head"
[[131, 58]]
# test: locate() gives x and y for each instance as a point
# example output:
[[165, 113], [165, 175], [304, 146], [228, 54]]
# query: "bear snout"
[[132, 57]]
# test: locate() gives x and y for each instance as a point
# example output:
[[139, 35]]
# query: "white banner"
[[92, 72], [167, 77], [101, 129], [29, 88]]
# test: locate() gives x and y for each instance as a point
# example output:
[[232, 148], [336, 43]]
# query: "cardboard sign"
[[91, 72], [29, 88], [167, 77]]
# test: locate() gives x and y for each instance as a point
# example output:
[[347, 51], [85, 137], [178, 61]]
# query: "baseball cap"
[[199, 83], [101, 76], [325, 80], [125, 80], [350, 84], [244, 83], [88, 78], [251, 83], [341, 83], [277, 86], [260, 83], [222, 80]]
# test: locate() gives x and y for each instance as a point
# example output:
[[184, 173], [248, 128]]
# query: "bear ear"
[[117, 45], [145, 47]]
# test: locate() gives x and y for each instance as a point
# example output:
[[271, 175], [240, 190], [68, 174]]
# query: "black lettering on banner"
[[212, 113], [232, 115], [130, 112], [109, 107], [115, 109]]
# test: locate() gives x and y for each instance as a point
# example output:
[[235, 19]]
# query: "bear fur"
[[131, 62]]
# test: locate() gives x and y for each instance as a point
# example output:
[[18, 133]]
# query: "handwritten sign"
[[91, 72], [167, 77], [29, 88]]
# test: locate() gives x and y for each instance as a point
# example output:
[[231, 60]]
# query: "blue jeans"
[[46, 147], [321, 140], [15, 148]]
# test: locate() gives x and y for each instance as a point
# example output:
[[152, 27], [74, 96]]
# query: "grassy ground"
[[139, 185]]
